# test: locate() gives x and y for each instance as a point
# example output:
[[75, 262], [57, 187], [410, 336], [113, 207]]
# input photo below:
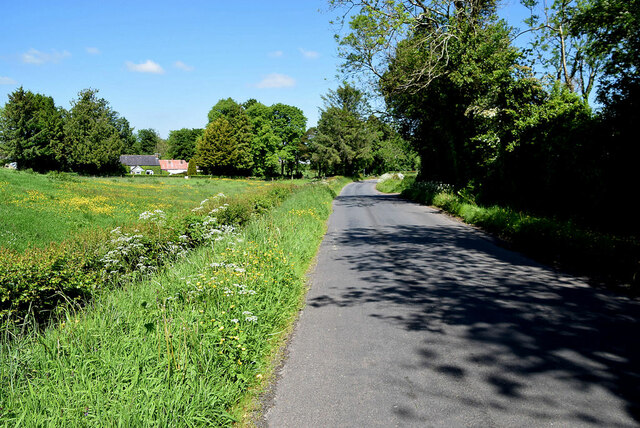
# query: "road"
[[414, 319]]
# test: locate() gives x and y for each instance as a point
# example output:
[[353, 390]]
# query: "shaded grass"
[[611, 260], [180, 349]]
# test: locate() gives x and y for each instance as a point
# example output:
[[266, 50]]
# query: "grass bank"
[[183, 348], [36, 282], [609, 260]]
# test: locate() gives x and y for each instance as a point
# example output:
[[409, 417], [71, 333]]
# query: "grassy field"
[[188, 347], [36, 210]]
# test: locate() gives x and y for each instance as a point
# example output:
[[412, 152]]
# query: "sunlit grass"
[[36, 210], [183, 348]]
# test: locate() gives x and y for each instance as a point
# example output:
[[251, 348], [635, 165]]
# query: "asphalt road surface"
[[414, 319]]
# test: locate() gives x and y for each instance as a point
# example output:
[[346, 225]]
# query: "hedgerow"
[[36, 282]]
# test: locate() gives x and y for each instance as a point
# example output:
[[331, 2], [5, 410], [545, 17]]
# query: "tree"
[[288, 124], [391, 152], [182, 143], [95, 135], [265, 143], [192, 168], [612, 27], [560, 48], [31, 129], [218, 151], [146, 142], [343, 138], [240, 125]]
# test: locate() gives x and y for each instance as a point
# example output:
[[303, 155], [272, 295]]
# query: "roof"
[[173, 164], [133, 160]]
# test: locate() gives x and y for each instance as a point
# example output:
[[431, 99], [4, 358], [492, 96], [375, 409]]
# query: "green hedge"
[[36, 282]]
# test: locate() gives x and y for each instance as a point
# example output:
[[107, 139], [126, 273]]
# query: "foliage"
[[546, 238], [95, 136], [265, 143], [31, 130], [394, 183], [191, 341], [219, 152], [192, 168], [182, 143], [391, 152], [289, 125], [147, 140], [559, 48], [343, 143], [613, 27], [225, 146]]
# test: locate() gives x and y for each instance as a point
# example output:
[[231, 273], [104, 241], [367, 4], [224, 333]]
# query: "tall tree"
[[240, 124], [288, 124], [146, 141], [560, 50], [182, 143], [343, 137], [95, 135], [218, 151], [265, 143], [31, 130], [613, 27]]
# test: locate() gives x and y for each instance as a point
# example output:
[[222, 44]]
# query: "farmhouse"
[[174, 166], [140, 164]]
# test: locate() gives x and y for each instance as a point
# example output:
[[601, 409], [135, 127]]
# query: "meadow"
[[71, 236], [36, 209], [187, 346]]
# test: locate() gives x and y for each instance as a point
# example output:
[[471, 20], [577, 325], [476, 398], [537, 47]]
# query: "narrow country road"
[[414, 319]]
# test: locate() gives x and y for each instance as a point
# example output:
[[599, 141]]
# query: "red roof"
[[166, 165]]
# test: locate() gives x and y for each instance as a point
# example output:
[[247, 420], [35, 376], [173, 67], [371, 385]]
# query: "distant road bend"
[[414, 319]]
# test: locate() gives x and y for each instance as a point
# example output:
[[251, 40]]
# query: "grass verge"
[[394, 183], [609, 260], [182, 348]]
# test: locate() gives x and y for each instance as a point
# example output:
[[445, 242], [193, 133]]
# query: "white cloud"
[[275, 80], [276, 54], [7, 81], [309, 54], [93, 51], [34, 56], [145, 67], [182, 66]]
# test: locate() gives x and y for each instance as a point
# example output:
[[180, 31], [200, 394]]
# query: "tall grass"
[[36, 209], [183, 348]]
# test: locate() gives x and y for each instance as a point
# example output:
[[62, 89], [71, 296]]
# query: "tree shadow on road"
[[522, 319]]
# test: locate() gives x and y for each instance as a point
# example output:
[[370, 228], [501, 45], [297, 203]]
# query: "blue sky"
[[164, 64]]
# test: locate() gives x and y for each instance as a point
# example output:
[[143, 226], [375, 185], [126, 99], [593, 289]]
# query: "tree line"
[[504, 124], [88, 138], [240, 139]]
